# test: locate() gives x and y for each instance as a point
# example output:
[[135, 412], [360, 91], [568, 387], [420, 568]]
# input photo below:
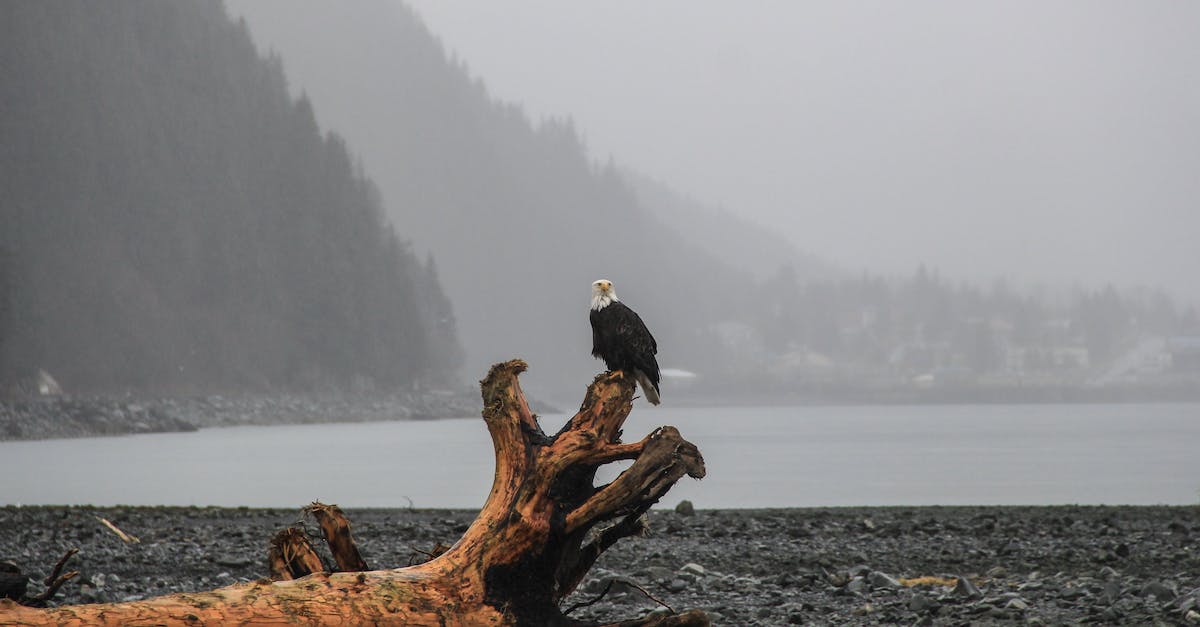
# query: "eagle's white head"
[[603, 294]]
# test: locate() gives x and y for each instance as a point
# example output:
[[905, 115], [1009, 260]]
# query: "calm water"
[[756, 457]]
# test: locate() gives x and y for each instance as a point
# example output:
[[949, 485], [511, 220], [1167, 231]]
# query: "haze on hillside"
[[1045, 142], [716, 161], [324, 196]]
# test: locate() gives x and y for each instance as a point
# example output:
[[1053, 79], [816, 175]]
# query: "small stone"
[[997, 572], [1192, 617], [693, 568], [884, 581], [1017, 604], [685, 508], [920, 603], [1070, 593], [860, 570], [1159, 591], [748, 584], [857, 586], [964, 589], [677, 585], [1112, 591], [657, 574], [1108, 572]]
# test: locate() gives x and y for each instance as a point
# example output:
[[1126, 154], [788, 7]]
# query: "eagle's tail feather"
[[648, 387]]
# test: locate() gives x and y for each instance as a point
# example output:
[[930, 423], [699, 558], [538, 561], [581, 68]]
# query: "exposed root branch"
[[62, 561], [291, 555], [617, 452], [437, 550], [665, 458], [336, 529], [583, 604], [651, 596]]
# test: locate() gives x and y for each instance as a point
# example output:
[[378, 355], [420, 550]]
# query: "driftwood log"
[[543, 526]]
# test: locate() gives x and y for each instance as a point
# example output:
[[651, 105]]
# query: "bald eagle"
[[621, 339]]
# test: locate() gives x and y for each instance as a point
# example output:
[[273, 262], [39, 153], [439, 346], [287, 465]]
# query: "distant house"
[[1185, 353], [46, 385], [678, 377]]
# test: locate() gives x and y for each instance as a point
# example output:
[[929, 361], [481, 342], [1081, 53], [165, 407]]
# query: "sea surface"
[[755, 456]]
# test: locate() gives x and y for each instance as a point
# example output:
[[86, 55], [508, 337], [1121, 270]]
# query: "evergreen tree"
[[179, 220]]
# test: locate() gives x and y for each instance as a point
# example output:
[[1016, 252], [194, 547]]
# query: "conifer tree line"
[[174, 219], [871, 325]]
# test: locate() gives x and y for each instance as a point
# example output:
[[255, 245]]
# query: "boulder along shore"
[[821, 566]]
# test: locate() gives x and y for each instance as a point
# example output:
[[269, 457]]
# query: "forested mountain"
[[174, 219], [519, 216], [737, 242]]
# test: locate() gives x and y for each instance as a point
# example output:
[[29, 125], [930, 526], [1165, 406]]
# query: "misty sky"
[[1048, 141]]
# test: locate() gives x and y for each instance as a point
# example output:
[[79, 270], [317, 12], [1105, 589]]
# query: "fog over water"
[[1046, 142]]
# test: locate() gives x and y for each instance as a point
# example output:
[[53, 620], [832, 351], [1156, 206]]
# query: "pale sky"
[[1052, 141]]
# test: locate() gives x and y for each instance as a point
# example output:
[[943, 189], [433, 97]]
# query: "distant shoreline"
[[964, 395], [54, 417]]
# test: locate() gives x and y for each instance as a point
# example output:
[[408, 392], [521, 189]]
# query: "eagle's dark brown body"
[[621, 339]]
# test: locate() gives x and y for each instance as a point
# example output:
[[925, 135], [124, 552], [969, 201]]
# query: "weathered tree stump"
[[526, 551]]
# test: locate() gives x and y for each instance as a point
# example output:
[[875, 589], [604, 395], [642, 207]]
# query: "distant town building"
[[1185, 353]]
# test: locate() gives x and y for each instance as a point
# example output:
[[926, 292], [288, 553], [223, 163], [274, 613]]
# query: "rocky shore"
[[37, 418], [839, 566]]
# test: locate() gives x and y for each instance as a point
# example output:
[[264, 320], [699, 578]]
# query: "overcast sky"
[[1052, 141]]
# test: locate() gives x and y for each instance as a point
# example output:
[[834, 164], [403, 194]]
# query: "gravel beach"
[[837, 566]]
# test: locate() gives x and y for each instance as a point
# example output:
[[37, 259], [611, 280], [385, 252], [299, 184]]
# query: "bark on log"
[[525, 552]]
